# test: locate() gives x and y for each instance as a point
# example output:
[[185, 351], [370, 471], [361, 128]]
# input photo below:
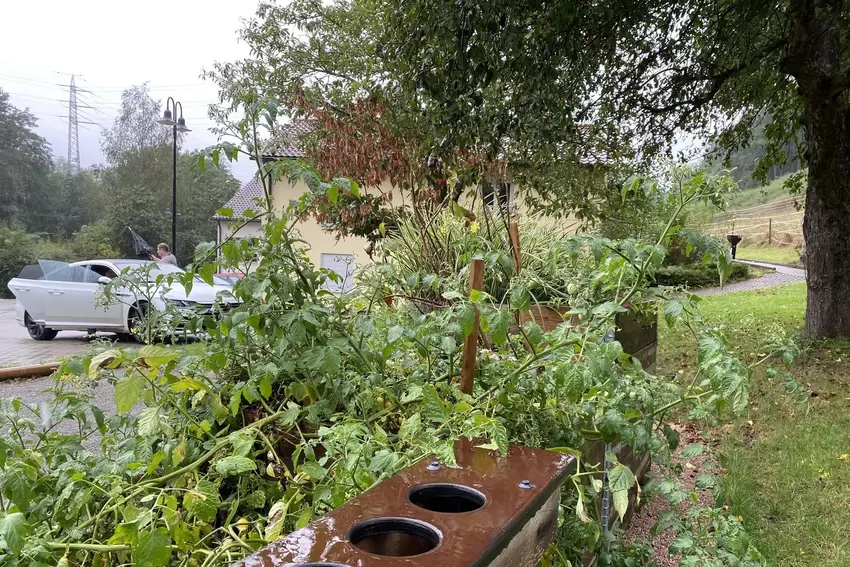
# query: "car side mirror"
[[103, 280]]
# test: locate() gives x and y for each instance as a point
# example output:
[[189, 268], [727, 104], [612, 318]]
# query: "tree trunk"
[[814, 59], [826, 227]]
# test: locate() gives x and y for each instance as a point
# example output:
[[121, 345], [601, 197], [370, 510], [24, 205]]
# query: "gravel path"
[[34, 390], [18, 349], [767, 280]]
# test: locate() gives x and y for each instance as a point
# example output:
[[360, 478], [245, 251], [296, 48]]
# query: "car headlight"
[[178, 302]]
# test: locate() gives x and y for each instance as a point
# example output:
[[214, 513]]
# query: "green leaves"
[[203, 501], [149, 424], [705, 481], [692, 450], [682, 544], [672, 437], [156, 356], [235, 465], [17, 484], [672, 310], [206, 273], [152, 550], [499, 321], [313, 470], [620, 481], [433, 408], [410, 428], [466, 318], [13, 532], [126, 533], [394, 334], [520, 298], [128, 391], [323, 358], [620, 478]]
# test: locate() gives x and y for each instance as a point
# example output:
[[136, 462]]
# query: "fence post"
[[470, 346], [769, 230]]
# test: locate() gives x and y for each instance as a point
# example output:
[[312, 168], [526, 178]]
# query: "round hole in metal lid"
[[447, 498], [394, 537]]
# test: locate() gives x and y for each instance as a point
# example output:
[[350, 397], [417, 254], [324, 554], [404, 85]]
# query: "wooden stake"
[[514, 231], [519, 316], [470, 346]]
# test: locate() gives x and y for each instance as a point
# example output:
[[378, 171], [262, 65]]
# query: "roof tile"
[[287, 142], [243, 199]]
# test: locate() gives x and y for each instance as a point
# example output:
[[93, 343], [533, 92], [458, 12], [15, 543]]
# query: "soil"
[[649, 513]]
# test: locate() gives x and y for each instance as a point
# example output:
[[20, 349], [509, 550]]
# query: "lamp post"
[[178, 126]]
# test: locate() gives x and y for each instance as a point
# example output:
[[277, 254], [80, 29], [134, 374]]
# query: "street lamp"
[[178, 126]]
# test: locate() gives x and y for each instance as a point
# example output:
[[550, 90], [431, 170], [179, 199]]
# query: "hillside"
[[764, 216], [760, 195]]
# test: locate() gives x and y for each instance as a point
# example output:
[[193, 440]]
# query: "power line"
[[19, 78], [33, 96], [24, 80]]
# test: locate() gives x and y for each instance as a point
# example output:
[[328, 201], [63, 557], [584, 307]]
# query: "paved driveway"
[[18, 349]]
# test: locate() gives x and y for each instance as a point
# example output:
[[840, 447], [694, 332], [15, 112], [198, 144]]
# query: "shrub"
[[17, 249], [95, 241], [697, 275]]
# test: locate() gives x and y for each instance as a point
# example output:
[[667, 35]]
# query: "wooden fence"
[[775, 224]]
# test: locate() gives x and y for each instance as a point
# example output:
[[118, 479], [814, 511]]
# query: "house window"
[[343, 265], [500, 194]]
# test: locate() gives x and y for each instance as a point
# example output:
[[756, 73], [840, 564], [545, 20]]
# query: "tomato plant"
[[301, 399]]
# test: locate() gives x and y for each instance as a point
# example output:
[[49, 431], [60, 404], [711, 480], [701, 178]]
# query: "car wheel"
[[135, 319], [38, 331]]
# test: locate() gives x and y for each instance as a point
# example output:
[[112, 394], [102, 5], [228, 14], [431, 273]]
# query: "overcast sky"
[[114, 45]]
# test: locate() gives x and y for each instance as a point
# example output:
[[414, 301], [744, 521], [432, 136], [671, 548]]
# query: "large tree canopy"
[[25, 165], [538, 85], [337, 65], [137, 184]]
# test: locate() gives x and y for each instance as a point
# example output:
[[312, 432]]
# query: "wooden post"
[[470, 346], [769, 230], [514, 230]]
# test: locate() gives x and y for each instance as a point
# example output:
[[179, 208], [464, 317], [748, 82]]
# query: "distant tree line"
[[759, 161], [56, 214]]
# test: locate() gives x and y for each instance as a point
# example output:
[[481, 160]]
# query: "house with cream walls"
[[341, 255]]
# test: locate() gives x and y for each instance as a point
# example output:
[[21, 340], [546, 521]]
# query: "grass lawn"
[[787, 466], [772, 255]]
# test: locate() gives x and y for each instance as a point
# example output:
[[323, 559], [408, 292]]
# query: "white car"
[[57, 296]]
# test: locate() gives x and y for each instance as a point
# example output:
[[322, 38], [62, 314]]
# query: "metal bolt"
[[433, 466], [526, 484]]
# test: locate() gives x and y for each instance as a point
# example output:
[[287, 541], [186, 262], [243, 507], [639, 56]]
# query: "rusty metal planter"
[[490, 510]]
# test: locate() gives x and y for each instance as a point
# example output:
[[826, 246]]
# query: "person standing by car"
[[165, 255]]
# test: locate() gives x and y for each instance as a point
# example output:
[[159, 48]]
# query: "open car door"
[[30, 290]]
